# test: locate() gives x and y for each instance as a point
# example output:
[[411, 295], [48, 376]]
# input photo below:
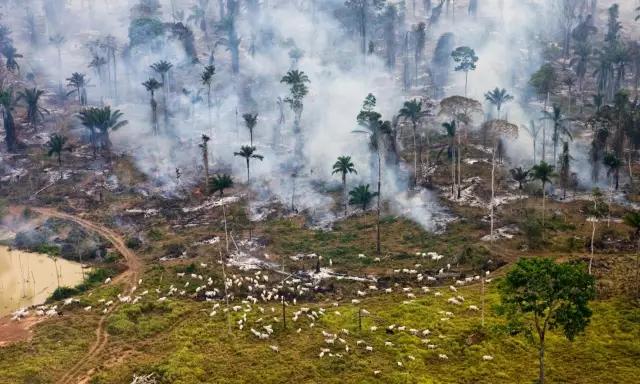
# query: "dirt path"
[[77, 373]]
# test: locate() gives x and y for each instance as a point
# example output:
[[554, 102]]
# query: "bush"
[[133, 242], [532, 229], [62, 293]]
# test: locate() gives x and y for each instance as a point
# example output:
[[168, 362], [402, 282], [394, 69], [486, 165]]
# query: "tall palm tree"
[[58, 41], [613, 164], [450, 128], [98, 63], [543, 172], [250, 121], [56, 145], [7, 102], [519, 175], [361, 196], [35, 112], [219, 183], [162, 68], [78, 82], [248, 153], [207, 79], [632, 219], [151, 86], [11, 54], [412, 111], [297, 81], [559, 126], [498, 97], [344, 166]]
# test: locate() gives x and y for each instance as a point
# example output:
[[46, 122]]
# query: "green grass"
[[197, 348]]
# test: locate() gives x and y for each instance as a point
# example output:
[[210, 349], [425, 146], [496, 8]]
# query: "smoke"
[[283, 35]]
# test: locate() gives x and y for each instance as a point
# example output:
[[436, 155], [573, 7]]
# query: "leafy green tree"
[[414, 112], [543, 172], [519, 175], [466, 60], [151, 86], [100, 122], [540, 295], [248, 153], [219, 183], [361, 196], [35, 112], [250, 121], [613, 164], [55, 146], [344, 166], [498, 97], [7, 103], [78, 82]]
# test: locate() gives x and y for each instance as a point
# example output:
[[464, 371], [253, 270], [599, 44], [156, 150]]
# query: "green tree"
[[248, 153], [55, 146], [414, 112], [498, 97], [539, 295], [100, 122], [613, 164], [151, 86], [543, 172], [219, 183], [466, 60], [344, 166], [35, 112], [361, 196], [7, 103], [78, 82], [250, 121], [519, 175]]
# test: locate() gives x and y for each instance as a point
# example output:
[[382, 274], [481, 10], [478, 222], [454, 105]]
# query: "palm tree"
[[248, 153], [99, 122], [163, 67], [344, 166], [7, 102], [151, 86], [450, 128], [613, 164], [297, 81], [97, 63], [498, 97], [413, 112], [207, 79], [559, 126], [56, 145], [250, 121], [219, 183], [632, 219], [31, 98], [204, 146], [361, 196], [79, 83], [11, 54], [543, 172], [519, 175]]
